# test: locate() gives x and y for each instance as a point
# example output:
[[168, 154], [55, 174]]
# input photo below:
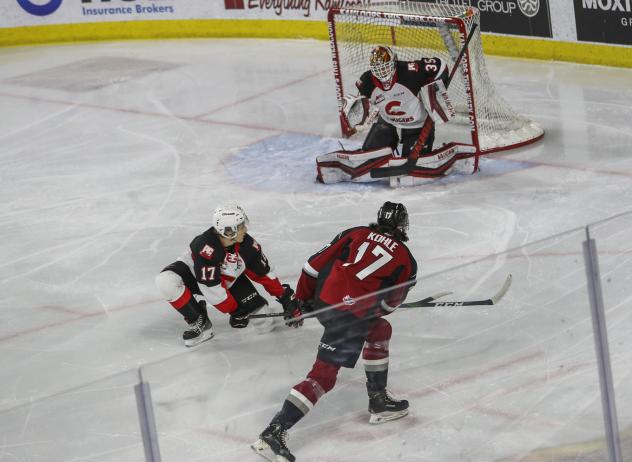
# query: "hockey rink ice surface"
[[113, 156]]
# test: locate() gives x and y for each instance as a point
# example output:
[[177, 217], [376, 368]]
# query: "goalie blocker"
[[356, 166]]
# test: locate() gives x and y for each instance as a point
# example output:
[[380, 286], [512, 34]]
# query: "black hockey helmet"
[[393, 215]]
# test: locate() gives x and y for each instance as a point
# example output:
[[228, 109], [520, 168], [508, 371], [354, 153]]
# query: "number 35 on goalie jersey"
[[359, 262]]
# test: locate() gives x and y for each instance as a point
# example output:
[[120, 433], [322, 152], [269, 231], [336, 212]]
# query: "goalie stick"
[[396, 170], [428, 302]]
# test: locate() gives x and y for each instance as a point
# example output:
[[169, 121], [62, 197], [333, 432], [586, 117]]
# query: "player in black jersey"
[[218, 268]]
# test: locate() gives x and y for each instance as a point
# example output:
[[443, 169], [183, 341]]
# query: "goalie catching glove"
[[291, 307], [436, 101], [355, 109]]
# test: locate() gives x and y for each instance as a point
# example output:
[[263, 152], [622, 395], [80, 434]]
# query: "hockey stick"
[[308, 315], [426, 303], [396, 170]]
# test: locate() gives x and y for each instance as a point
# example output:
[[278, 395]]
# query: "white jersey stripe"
[[309, 270]]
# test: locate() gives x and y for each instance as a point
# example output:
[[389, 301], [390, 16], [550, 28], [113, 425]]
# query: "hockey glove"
[[291, 307], [239, 318], [355, 109], [435, 99]]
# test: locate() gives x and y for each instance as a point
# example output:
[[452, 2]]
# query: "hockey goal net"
[[414, 30]]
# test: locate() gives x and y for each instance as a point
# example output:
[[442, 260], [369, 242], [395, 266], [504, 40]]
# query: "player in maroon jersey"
[[218, 268], [405, 94], [362, 275]]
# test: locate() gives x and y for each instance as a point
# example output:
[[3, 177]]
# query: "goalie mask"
[[382, 64], [393, 215], [227, 219]]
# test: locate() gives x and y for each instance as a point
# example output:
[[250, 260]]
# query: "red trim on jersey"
[[182, 299], [379, 84], [305, 287], [272, 286], [225, 278], [227, 306]]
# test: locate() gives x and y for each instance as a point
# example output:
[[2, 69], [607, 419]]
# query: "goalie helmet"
[[393, 215], [227, 219], [382, 63]]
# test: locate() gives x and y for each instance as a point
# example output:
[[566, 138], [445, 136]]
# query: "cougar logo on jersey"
[[207, 251], [392, 108], [529, 7], [231, 258]]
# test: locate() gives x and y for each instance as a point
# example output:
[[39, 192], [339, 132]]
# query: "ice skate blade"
[[387, 416], [206, 335], [263, 449]]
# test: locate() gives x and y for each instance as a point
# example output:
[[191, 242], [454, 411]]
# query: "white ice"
[[112, 157]]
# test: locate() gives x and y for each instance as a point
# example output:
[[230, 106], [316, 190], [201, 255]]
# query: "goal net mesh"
[[414, 30]]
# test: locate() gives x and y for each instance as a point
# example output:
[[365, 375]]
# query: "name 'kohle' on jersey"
[[399, 105], [355, 268]]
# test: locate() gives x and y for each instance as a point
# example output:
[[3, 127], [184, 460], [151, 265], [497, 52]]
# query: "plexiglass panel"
[[612, 238], [97, 422], [513, 381]]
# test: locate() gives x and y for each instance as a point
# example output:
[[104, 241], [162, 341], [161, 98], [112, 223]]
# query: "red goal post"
[[414, 30]]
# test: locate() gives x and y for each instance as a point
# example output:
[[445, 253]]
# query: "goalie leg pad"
[[355, 166], [441, 161], [450, 158]]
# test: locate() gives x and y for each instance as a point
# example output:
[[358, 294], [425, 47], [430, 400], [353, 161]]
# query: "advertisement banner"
[[514, 17], [605, 21], [16, 13]]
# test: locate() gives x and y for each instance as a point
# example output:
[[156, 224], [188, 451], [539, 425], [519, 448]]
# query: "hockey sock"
[[375, 355], [288, 415], [306, 394], [186, 305]]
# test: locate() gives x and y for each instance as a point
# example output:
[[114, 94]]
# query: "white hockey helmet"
[[382, 63], [227, 218]]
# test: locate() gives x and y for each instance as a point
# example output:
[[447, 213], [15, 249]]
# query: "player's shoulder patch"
[[208, 246], [413, 66], [207, 252]]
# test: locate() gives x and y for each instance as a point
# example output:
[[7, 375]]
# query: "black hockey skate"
[[271, 444], [199, 331], [383, 407]]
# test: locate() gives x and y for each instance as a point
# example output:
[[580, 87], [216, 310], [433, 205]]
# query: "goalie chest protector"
[[399, 105]]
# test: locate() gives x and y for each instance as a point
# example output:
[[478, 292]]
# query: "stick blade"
[[503, 290]]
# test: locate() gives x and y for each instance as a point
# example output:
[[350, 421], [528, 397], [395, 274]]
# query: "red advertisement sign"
[[234, 4]]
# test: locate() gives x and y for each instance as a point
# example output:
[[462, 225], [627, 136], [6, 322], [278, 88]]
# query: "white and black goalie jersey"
[[399, 105]]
